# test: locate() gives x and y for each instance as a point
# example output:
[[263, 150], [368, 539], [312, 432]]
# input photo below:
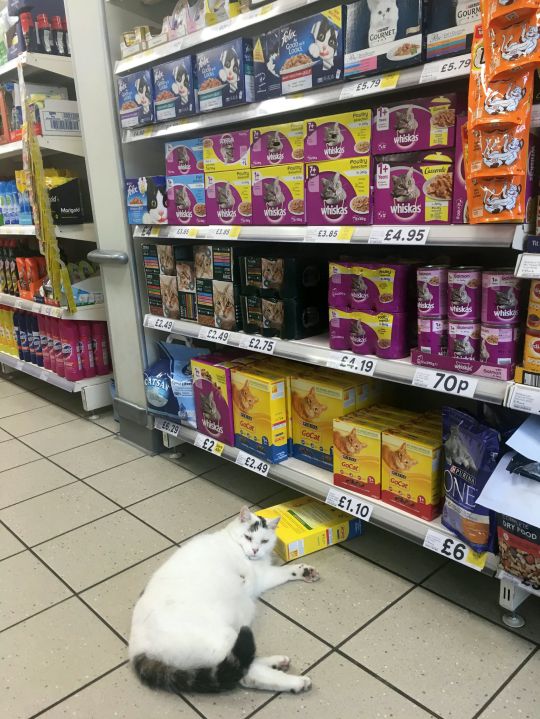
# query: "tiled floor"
[[390, 631]]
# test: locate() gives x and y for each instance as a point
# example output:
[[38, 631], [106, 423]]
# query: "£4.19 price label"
[[351, 503], [253, 463], [354, 363], [453, 548], [411, 236], [258, 344], [158, 323], [167, 426], [209, 444], [448, 382], [212, 334]]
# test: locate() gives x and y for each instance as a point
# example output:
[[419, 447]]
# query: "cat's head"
[[255, 535], [404, 460], [249, 400], [325, 36], [382, 11], [313, 406]]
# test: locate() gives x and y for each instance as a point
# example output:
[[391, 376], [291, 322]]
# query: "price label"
[[447, 382], [214, 335], [446, 69], [351, 503], [369, 86], [158, 323], [209, 444], [44, 375], [354, 363], [155, 231], [253, 463], [19, 304], [48, 310], [143, 230], [182, 232], [167, 426], [258, 344], [525, 399], [329, 234], [528, 266], [398, 236], [453, 548], [219, 232]]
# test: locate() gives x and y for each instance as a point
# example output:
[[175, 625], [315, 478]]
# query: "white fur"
[[383, 21], [157, 215]]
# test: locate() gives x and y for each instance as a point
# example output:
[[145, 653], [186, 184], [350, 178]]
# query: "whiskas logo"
[[227, 214], [407, 139], [275, 156], [212, 426], [334, 151], [405, 209], [334, 211], [424, 306], [274, 212]]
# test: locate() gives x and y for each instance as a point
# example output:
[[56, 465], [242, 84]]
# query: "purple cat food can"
[[340, 329], [464, 340], [501, 293], [433, 336], [432, 292], [499, 345], [339, 284], [363, 332], [464, 293]]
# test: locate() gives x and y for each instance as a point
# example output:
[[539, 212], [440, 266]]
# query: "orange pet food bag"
[[496, 152], [509, 11], [496, 199], [513, 45]]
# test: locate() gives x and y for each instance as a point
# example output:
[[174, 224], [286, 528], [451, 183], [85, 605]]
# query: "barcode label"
[[66, 125], [532, 380]]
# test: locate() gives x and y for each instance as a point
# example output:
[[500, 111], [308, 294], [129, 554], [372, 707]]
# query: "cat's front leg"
[[272, 576]]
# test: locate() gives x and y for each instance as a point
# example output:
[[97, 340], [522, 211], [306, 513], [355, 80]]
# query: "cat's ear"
[[403, 447], [246, 386], [245, 514], [272, 523]]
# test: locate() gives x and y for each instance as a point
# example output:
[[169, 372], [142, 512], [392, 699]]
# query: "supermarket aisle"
[[86, 518]]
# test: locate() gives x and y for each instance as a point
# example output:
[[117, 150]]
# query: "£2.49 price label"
[[448, 382], [354, 363], [167, 426], [411, 236], [158, 323], [212, 334], [351, 503], [258, 344], [453, 548], [253, 463], [209, 444]]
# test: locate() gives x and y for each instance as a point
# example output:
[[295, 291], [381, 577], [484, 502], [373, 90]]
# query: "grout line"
[[161, 491], [16, 414], [17, 465], [294, 621], [40, 494], [52, 426], [94, 442], [68, 531], [35, 614], [378, 564]]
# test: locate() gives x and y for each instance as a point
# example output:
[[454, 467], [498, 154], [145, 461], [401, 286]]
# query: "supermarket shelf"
[[84, 232], [11, 149], [88, 313], [315, 350], [60, 143], [442, 235], [528, 266], [34, 62]]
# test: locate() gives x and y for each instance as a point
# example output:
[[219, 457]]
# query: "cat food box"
[[284, 277], [336, 137], [411, 472], [311, 51], [228, 197], [225, 75], [226, 151], [217, 304], [278, 195], [449, 27], [413, 188], [306, 526], [146, 199], [151, 275], [260, 413], [184, 157], [215, 12], [460, 211], [135, 99], [265, 72], [175, 92], [339, 192], [291, 319], [216, 262], [277, 144], [383, 36], [369, 332], [423, 124], [186, 200]]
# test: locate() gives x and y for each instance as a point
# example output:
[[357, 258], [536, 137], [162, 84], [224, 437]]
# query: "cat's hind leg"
[[261, 676], [278, 661]]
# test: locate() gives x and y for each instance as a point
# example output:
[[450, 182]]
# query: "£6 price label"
[[158, 323], [212, 334], [167, 426], [209, 444], [455, 549], [353, 504], [258, 344], [448, 382], [354, 363], [253, 463], [399, 236]]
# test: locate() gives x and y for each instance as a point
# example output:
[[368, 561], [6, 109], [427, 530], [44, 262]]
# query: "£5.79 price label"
[[446, 69], [167, 426], [158, 323], [329, 234], [221, 232], [453, 548], [258, 344], [354, 363], [209, 444], [351, 503], [253, 463], [212, 334], [412, 236], [448, 382], [369, 86]]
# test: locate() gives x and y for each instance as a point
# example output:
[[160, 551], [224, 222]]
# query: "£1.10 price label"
[[209, 444], [354, 363], [253, 463], [412, 236], [158, 323], [258, 344], [448, 382], [221, 232], [446, 69], [350, 503], [167, 426], [455, 549], [212, 334]]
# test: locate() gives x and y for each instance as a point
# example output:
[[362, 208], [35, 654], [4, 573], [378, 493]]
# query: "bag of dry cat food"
[[495, 151], [511, 38], [471, 450], [519, 546]]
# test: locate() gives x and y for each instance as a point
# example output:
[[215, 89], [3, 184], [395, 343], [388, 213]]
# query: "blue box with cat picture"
[[225, 75], [175, 91], [383, 36], [265, 60], [135, 99], [146, 200], [449, 27]]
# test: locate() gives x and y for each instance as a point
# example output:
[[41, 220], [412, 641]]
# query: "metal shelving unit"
[[85, 232], [88, 313], [33, 63]]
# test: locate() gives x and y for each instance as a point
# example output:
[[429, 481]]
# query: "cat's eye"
[[264, 541], [246, 536]]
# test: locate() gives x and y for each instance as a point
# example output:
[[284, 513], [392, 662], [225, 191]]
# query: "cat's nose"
[[255, 550]]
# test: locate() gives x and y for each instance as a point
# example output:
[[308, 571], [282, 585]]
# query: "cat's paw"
[[282, 664], [309, 574], [302, 684]]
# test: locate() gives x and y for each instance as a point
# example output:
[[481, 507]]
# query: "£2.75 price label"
[[258, 344], [253, 463], [167, 426], [212, 334], [411, 236], [158, 323], [448, 382], [353, 504], [453, 548], [209, 444], [354, 363]]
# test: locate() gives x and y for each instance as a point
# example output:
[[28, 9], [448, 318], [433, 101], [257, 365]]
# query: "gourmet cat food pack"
[[449, 27], [175, 90], [265, 60], [339, 192], [287, 318], [278, 195], [225, 75]]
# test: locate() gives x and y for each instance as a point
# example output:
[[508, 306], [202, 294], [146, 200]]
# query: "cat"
[[203, 263], [308, 408], [169, 297], [526, 45], [182, 158], [274, 143], [359, 289], [484, 352], [273, 195], [333, 135], [506, 199], [325, 36], [398, 460], [181, 84], [273, 314], [230, 70], [210, 412], [225, 197], [181, 198], [243, 398], [496, 103], [185, 276], [348, 443], [166, 259], [424, 293], [459, 296], [358, 333], [383, 21], [227, 152], [272, 50], [143, 95], [190, 629], [156, 204], [406, 122], [224, 305], [463, 348], [404, 187], [456, 452], [332, 191], [272, 273], [506, 298]]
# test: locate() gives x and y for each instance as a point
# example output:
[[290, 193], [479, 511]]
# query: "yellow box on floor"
[[307, 525]]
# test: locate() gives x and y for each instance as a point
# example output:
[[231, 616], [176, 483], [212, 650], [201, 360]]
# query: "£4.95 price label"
[[354, 363], [448, 382], [258, 344], [209, 444], [351, 503], [412, 236], [453, 548], [253, 463], [167, 426], [445, 69], [158, 323], [212, 334]]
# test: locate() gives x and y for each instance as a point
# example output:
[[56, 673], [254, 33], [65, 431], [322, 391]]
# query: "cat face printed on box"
[[225, 75], [135, 94], [146, 199], [174, 89]]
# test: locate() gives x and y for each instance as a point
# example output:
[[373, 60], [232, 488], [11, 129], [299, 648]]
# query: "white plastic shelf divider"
[[35, 62], [88, 313], [528, 266], [85, 232], [69, 145]]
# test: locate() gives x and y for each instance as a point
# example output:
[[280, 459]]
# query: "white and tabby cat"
[[333, 192], [191, 626]]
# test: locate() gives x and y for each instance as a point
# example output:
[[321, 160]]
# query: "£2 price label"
[[212, 334], [448, 382], [167, 426], [158, 323], [412, 236], [258, 344], [253, 463], [455, 549], [351, 503], [209, 444], [354, 363]]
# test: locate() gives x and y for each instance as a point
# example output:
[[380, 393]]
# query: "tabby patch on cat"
[[308, 408], [399, 459], [348, 443]]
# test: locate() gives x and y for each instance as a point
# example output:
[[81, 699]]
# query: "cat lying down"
[[191, 626]]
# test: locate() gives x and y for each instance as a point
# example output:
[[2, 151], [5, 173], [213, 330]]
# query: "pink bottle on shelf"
[[100, 342], [71, 352], [44, 340], [87, 349], [57, 346], [50, 344]]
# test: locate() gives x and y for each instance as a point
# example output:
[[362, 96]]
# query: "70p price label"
[[354, 363], [209, 444], [453, 548], [448, 382], [399, 236]]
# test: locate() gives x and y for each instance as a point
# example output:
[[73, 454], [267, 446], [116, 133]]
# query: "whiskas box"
[[278, 195], [277, 144], [449, 27], [339, 192], [460, 212], [184, 157], [336, 137], [175, 93], [383, 36], [226, 151], [306, 526], [311, 51], [260, 413], [413, 188], [186, 200], [135, 99], [228, 197], [422, 124], [265, 72], [225, 75], [146, 199]]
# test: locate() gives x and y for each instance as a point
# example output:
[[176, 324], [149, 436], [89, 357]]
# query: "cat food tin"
[[277, 145], [186, 200], [379, 286], [228, 197], [432, 291], [278, 195], [225, 75], [464, 293], [433, 336], [501, 293], [340, 285], [336, 137], [464, 340], [174, 89], [339, 192], [499, 345], [340, 329], [184, 157], [226, 151], [531, 352], [380, 333]]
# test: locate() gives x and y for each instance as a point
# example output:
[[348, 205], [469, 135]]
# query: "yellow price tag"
[[148, 131], [154, 232], [345, 234], [390, 81], [223, 232], [475, 559]]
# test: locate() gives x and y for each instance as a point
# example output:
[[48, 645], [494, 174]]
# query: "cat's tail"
[[225, 676]]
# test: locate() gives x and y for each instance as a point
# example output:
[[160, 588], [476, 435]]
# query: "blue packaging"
[[175, 93], [311, 51], [146, 199], [383, 36], [184, 157], [265, 59], [449, 27], [225, 75], [135, 99]]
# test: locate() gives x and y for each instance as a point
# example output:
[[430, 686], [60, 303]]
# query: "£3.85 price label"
[[453, 548], [448, 382], [221, 232], [351, 503], [258, 344], [329, 234], [212, 334], [180, 232], [167, 426], [354, 363], [446, 69], [209, 444], [412, 236], [369, 86], [253, 463]]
